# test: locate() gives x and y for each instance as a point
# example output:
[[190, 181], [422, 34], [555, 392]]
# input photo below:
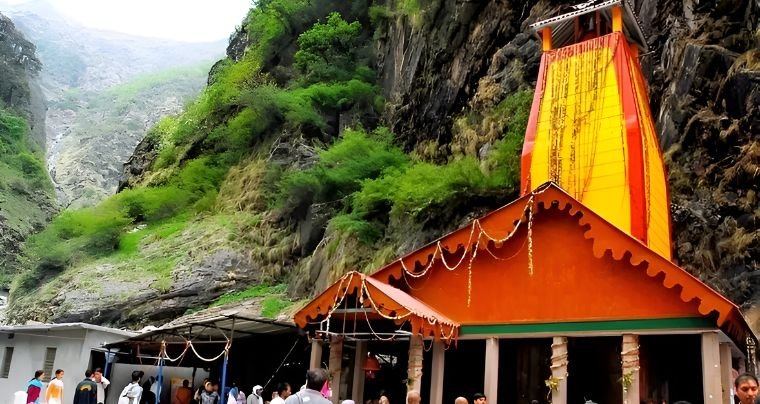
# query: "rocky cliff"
[[451, 80], [26, 197], [104, 90]]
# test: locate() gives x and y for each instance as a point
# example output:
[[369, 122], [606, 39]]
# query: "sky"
[[182, 20]]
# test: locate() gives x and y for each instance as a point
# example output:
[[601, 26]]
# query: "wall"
[[29, 355], [73, 348]]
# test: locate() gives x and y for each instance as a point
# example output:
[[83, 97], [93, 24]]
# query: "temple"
[[565, 295]]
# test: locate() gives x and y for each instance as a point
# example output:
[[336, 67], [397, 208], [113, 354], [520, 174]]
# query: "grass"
[[255, 291]]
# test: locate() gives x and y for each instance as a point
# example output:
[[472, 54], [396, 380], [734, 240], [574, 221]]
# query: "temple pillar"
[[436, 373], [630, 355], [559, 370], [315, 360], [725, 372], [336, 366], [711, 377], [414, 371], [357, 389], [491, 379]]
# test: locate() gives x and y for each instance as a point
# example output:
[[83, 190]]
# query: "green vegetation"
[[250, 293], [216, 184]]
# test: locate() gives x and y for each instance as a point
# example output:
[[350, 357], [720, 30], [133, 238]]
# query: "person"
[[413, 397], [460, 400], [383, 398], [102, 383], [184, 394], [54, 393], [479, 398], [282, 393], [148, 395], [347, 402], [255, 397], [746, 388], [86, 391], [209, 394], [240, 397], [34, 388], [197, 396], [315, 380], [132, 392]]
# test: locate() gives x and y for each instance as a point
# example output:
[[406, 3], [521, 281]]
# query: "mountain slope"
[[329, 142], [105, 89], [26, 194]]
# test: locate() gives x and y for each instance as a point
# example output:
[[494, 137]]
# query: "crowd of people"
[[92, 390]]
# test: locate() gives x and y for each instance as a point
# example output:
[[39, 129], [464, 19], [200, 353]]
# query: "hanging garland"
[[482, 234], [364, 295]]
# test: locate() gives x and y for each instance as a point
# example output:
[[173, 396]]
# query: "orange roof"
[[606, 241], [384, 301]]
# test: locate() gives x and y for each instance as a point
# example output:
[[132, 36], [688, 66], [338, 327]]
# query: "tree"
[[329, 51]]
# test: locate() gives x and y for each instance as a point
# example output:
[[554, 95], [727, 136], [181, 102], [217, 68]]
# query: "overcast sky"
[[183, 20]]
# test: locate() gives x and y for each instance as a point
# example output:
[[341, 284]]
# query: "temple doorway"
[[594, 370], [671, 368], [524, 365]]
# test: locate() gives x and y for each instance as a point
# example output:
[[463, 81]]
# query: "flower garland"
[[482, 234]]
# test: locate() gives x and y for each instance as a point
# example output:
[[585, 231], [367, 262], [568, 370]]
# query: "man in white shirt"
[[315, 380], [131, 394], [102, 382], [282, 393]]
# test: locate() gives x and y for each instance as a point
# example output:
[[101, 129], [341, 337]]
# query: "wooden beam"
[[360, 354], [617, 19], [336, 366], [414, 370], [315, 360], [725, 372], [559, 370], [436, 372], [711, 378], [491, 380], [546, 38], [631, 373]]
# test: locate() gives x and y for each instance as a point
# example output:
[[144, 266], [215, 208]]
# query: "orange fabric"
[[591, 132], [184, 395]]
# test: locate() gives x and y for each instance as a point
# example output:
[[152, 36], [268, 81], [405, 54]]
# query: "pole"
[[224, 375], [160, 380], [109, 358]]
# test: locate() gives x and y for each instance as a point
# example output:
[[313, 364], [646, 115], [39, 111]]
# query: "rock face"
[[704, 75], [455, 57], [703, 69], [24, 209], [101, 97]]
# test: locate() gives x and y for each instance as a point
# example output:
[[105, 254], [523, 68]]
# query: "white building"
[[27, 348]]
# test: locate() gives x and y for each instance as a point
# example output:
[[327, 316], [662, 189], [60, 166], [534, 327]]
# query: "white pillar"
[[630, 357], [316, 354], [357, 389], [436, 373], [491, 379], [336, 366], [559, 369], [414, 371], [711, 377], [725, 371]]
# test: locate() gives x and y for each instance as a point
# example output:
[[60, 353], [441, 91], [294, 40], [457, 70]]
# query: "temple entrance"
[[524, 365], [595, 370], [671, 368], [464, 370]]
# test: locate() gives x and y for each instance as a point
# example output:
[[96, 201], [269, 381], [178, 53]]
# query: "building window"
[[7, 362], [47, 367]]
